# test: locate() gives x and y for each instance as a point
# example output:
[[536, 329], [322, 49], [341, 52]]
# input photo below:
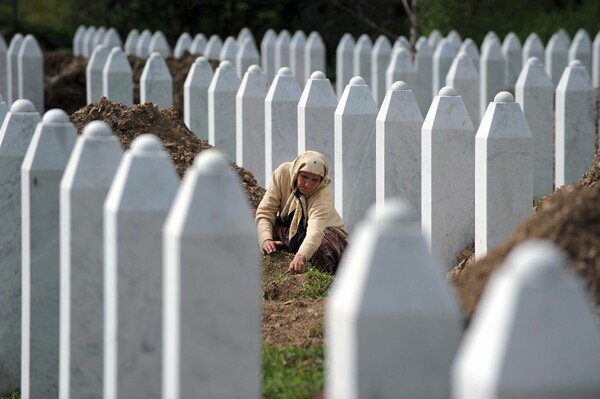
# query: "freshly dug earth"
[[569, 217]]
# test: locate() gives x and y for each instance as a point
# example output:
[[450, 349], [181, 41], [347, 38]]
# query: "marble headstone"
[[267, 54], [195, 97], [344, 65], [117, 78], [93, 74], [156, 83], [221, 109]]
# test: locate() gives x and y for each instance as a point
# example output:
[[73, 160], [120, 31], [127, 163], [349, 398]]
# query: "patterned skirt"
[[328, 256]]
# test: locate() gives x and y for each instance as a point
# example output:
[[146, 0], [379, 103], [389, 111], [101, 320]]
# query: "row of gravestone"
[[134, 285], [22, 70], [117, 280], [378, 150], [300, 53], [224, 94], [393, 327]]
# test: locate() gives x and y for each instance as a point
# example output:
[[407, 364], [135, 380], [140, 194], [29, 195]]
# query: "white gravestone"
[[3, 67], [535, 93], [596, 60], [117, 78], [195, 97], [209, 242], [77, 43], [454, 38], [512, 51], [575, 137], [362, 58], [401, 68], [392, 322], [245, 33], [297, 46], [470, 48], [344, 64], [15, 136], [314, 55], [156, 83], [442, 60], [93, 74], [31, 72], [534, 333], [267, 54], [221, 109], [247, 56], [354, 125], [315, 118], [492, 73], [112, 38], [380, 58], [490, 36], [143, 44], [131, 42], [402, 42], [159, 44], [448, 177], [281, 121], [12, 67], [88, 39], [198, 44], [464, 78], [556, 57], [213, 47], [533, 47], [98, 37], [282, 50], [229, 50], [184, 42], [41, 172], [434, 38], [398, 148], [503, 173], [83, 188], [424, 65], [581, 49], [135, 210], [250, 122]]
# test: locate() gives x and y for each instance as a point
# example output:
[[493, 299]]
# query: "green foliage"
[[316, 285], [292, 372], [14, 395]]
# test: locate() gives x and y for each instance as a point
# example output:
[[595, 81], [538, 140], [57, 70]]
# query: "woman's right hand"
[[270, 246]]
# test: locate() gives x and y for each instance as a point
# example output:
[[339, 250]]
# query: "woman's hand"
[[270, 246], [297, 265]]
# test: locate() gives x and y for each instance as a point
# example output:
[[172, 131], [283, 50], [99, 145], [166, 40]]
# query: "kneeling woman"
[[297, 214]]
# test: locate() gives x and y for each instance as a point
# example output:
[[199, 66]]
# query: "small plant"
[[316, 285], [292, 372]]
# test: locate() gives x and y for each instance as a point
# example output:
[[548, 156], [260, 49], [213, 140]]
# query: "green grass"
[[317, 284], [287, 372], [292, 372], [14, 395]]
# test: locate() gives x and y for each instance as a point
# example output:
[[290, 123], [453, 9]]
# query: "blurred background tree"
[[54, 21]]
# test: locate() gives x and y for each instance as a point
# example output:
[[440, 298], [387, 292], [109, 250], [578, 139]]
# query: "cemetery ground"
[[292, 319]]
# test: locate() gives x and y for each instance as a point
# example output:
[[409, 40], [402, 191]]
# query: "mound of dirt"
[[182, 145], [64, 81]]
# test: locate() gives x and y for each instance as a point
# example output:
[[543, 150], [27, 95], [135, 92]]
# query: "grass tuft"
[[292, 372]]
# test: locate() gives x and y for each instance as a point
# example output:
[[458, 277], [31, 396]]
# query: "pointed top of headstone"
[[22, 105], [357, 81], [146, 144], [285, 71], [225, 64], [254, 69], [97, 129], [448, 91], [212, 162], [55, 115], [318, 75], [399, 85], [504, 97]]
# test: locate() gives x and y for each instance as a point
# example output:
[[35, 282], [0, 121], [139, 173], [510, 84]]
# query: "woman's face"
[[307, 182]]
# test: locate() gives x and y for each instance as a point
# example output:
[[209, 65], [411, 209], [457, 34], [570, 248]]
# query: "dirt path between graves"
[[570, 217]]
